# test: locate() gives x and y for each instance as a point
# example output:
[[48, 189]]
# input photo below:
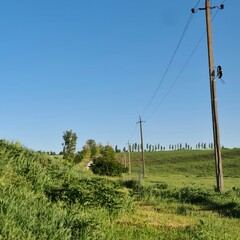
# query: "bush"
[[106, 164], [102, 166]]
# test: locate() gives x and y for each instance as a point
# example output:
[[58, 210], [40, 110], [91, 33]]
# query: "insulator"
[[219, 72]]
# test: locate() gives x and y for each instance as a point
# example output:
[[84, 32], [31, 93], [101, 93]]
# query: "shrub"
[[106, 164], [102, 166]]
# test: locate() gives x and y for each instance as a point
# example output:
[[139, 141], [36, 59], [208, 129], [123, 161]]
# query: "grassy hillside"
[[45, 197], [188, 167]]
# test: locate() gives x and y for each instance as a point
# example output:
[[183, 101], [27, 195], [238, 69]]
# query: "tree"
[[117, 150], [108, 153], [78, 157], [69, 145], [150, 147], [91, 149], [135, 146], [130, 148], [91, 144], [106, 164]]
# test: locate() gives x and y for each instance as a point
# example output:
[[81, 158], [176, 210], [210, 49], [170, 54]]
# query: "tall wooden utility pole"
[[129, 159], [216, 135], [142, 147], [215, 125]]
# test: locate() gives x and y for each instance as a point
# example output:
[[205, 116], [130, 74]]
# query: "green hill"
[[187, 167], [45, 197]]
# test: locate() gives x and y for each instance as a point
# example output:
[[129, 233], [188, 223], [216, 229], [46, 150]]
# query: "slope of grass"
[[194, 167], [44, 197]]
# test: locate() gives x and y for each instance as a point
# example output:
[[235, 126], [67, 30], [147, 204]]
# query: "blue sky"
[[92, 66]]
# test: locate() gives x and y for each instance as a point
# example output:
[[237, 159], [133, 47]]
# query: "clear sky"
[[92, 66]]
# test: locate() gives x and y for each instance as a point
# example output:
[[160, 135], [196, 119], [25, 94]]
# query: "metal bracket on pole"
[[221, 7]]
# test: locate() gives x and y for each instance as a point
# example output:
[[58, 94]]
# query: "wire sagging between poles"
[[170, 62]]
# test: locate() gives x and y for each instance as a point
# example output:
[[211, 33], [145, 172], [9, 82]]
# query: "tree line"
[[136, 147]]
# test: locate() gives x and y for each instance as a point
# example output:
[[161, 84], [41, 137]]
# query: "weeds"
[[44, 197]]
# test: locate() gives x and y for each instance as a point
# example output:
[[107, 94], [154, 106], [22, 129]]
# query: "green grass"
[[193, 167], [178, 199], [45, 197]]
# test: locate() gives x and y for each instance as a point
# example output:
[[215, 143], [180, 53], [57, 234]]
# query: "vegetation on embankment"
[[46, 197]]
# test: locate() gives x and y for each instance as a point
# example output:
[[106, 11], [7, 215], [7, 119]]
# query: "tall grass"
[[42, 197], [45, 197]]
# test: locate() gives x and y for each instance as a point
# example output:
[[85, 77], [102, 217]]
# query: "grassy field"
[[44, 197], [187, 167]]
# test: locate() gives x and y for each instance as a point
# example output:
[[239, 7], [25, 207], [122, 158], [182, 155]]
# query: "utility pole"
[[125, 160], [215, 125], [142, 147], [129, 159]]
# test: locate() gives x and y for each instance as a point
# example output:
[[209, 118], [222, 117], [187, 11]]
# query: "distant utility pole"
[[125, 160], [142, 147], [216, 135], [129, 159]]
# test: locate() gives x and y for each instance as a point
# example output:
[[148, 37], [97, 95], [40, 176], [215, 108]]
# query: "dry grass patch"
[[151, 217]]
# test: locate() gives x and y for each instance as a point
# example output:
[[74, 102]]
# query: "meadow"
[[46, 197]]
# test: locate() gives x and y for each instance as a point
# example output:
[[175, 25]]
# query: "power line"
[[178, 76], [133, 132], [180, 73], [170, 63], [184, 67]]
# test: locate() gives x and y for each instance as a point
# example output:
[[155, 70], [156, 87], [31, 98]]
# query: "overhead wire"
[[178, 76], [170, 62], [165, 73], [181, 71], [183, 68], [133, 133]]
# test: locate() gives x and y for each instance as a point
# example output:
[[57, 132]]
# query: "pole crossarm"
[[221, 7]]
